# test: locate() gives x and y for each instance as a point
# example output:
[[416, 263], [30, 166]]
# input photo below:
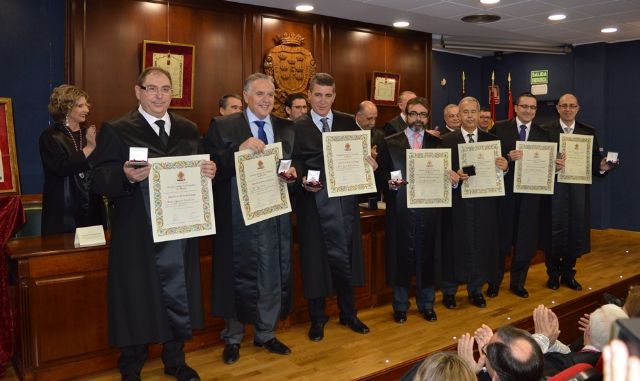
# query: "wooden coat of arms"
[[291, 66]]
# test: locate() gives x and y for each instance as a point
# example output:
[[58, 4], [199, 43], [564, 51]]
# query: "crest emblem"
[[180, 176], [260, 164], [347, 147]]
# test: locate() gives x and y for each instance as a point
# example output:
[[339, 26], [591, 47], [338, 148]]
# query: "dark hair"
[[322, 79], [484, 109], [507, 366], [417, 101], [288, 102], [224, 101], [527, 95], [152, 69]]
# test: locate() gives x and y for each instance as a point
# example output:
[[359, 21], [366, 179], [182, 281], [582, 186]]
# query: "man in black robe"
[[154, 288], [452, 121], [252, 264], [568, 236], [328, 228], [470, 243], [399, 122], [412, 235]]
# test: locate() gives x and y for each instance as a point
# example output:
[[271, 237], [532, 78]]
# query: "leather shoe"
[[131, 377], [400, 316], [274, 346], [612, 299], [231, 353], [519, 291], [316, 331], [553, 283], [492, 290], [478, 300], [182, 373], [572, 283], [449, 301], [355, 324], [429, 314]]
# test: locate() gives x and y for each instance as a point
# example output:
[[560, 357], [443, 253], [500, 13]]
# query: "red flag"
[[510, 106], [492, 103]]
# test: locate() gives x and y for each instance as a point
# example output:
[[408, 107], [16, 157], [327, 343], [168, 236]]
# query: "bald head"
[[366, 115], [568, 108]]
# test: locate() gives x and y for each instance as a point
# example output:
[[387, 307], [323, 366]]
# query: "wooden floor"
[[344, 355]]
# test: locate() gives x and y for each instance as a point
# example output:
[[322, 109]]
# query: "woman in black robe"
[[65, 150]]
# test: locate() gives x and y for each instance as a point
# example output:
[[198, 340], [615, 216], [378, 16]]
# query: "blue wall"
[[32, 65]]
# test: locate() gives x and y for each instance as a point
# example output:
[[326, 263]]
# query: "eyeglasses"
[[151, 89], [528, 107], [571, 106], [423, 115]]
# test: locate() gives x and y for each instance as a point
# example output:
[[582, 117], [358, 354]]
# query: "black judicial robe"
[[67, 200], [400, 221], [570, 209], [470, 227], [395, 125], [328, 228], [240, 249], [153, 289]]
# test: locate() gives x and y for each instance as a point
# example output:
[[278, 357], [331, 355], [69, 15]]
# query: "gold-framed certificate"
[[180, 197], [345, 164], [262, 195], [578, 151], [429, 184], [535, 171], [488, 180]]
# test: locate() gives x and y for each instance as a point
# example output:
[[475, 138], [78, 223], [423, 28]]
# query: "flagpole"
[[510, 105], [492, 98], [463, 79]]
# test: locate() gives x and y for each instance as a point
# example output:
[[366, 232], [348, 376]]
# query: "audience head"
[[484, 119], [600, 323], [295, 105], [322, 93], [444, 366], [366, 115], [632, 304], [513, 355], [526, 107], [452, 116], [69, 104], [568, 108], [153, 90], [403, 98], [259, 94], [469, 107], [417, 111], [230, 104]]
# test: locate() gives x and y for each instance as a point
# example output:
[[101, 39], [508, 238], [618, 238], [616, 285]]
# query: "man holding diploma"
[[328, 228], [252, 264], [154, 288]]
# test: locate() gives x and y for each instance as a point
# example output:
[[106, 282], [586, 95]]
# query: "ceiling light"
[[489, 1], [401, 24], [304, 8], [480, 19], [557, 17], [609, 30]]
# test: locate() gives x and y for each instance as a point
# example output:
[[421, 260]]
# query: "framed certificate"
[[179, 61], [428, 185], [181, 198], [346, 168], [9, 176], [385, 88], [488, 180], [262, 194], [578, 150], [535, 171]]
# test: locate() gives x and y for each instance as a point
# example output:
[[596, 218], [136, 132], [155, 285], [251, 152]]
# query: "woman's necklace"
[[75, 145]]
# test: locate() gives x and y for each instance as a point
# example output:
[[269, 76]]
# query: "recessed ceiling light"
[[304, 8], [489, 1], [609, 30], [557, 17], [401, 24], [480, 19]]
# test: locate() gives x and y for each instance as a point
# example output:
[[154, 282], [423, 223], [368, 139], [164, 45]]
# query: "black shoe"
[[316, 331], [400, 316], [449, 301], [131, 377], [572, 283], [231, 353], [492, 290], [478, 300], [274, 346], [183, 373], [355, 324], [519, 291], [429, 314], [612, 299], [553, 283]]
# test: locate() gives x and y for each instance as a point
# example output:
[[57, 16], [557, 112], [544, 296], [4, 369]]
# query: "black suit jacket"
[[395, 125]]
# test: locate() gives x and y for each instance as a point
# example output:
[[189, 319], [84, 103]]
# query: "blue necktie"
[[523, 133], [261, 134]]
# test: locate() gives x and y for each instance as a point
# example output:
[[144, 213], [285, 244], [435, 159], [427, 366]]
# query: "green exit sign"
[[539, 77]]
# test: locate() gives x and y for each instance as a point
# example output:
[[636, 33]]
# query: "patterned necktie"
[[567, 130], [523, 133], [325, 125], [261, 134], [416, 141], [164, 138], [471, 138]]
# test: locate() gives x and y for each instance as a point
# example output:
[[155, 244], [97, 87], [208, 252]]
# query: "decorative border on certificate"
[[549, 150], [430, 155], [362, 138], [385, 88], [271, 152], [162, 165], [573, 142], [9, 175], [179, 60], [465, 151]]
